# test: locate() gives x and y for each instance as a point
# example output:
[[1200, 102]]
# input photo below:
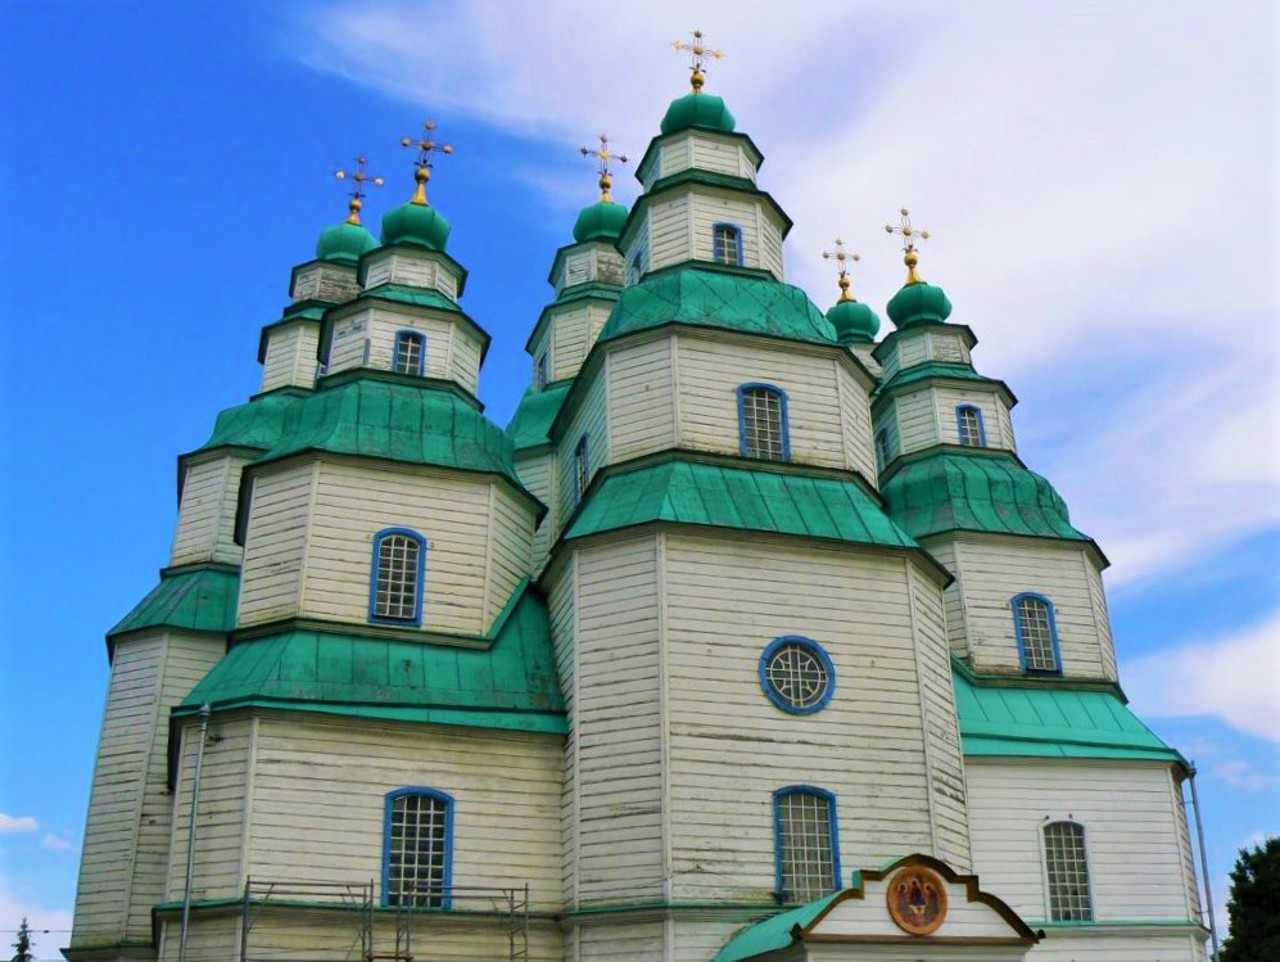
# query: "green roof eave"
[[199, 598], [509, 682], [693, 177], [934, 371], [651, 152], [912, 330], [777, 931], [255, 425], [592, 290], [531, 424], [415, 251], [1051, 721]]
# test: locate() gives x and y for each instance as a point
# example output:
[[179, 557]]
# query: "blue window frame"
[[1036, 628], [396, 577], [1066, 867], [884, 449], [797, 675], [417, 848], [581, 469], [726, 244], [806, 843], [763, 432], [410, 355], [969, 426]]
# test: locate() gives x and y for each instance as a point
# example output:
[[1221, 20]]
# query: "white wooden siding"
[[537, 472], [510, 541], [912, 348], [591, 419], [855, 420], [617, 723], [995, 417], [710, 209], [705, 152], [561, 599], [464, 359], [668, 229], [917, 420], [327, 282], [944, 552], [1131, 839], [641, 399], [452, 353], [413, 270], [946, 348], [569, 335], [291, 355], [279, 512], [206, 514], [1075, 943], [1101, 619], [1191, 884], [770, 242], [634, 942]]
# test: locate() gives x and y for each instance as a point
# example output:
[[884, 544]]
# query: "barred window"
[[410, 353], [762, 419], [797, 675], [581, 469], [969, 425], [418, 849], [726, 244], [1067, 870], [1037, 633], [807, 853], [884, 449], [398, 562]]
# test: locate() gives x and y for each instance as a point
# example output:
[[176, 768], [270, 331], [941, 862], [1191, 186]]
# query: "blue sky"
[[1099, 179]]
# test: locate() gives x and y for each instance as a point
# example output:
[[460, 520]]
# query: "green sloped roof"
[[975, 490], [406, 422], [922, 372], [510, 684], [197, 599], [708, 297], [534, 414], [744, 498], [1052, 722], [774, 932], [257, 424]]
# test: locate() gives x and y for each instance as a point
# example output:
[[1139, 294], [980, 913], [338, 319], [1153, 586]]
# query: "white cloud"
[[1232, 678], [55, 843], [1100, 188], [20, 823], [1242, 776], [52, 926]]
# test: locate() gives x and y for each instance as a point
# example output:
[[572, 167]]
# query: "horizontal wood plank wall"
[[641, 400], [319, 800], [947, 348], [635, 942], [770, 244], [710, 209], [855, 419], [561, 596], [638, 252], [1191, 884], [347, 347], [721, 156], [291, 356], [220, 826], [537, 473], [279, 513], [1101, 618], [465, 360], [414, 271], [674, 156], [206, 514], [335, 283], [617, 723], [591, 419], [1131, 838], [912, 349], [917, 421], [210, 939], [994, 569], [697, 940], [1070, 946], [354, 501], [573, 331], [710, 374], [669, 232], [511, 538], [995, 417], [726, 599], [944, 552]]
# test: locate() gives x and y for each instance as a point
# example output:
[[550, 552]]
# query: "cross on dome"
[[603, 155], [697, 50], [842, 260], [909, 234], [426, 146], [359, 178]]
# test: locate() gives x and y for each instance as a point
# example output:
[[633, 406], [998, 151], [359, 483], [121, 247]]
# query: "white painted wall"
[[453, 351], [335, 283], [207, 510], [291, 355], [590, 418], [642, 399], [414, 269]]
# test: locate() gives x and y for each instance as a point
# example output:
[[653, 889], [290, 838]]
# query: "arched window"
[[762, 423], [807, 848], [1066, 868], [418, 849], [726, 244], [884, 449], [410, 353], [395, 588], [970, 427], [797, 675], [1037, 633], [581, 469]]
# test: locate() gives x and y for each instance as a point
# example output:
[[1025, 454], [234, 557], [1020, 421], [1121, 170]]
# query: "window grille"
[[417, 854], [1067, 868], [726, 244], [1035, 631], [806, 845], [581, 470], [763, 423], [397, 577], [797, 675], [969, 425], [409, 353]]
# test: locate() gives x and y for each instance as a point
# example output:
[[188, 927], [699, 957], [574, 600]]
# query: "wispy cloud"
[[20, 823], [55, 921], [1232, 678], [55, 843]]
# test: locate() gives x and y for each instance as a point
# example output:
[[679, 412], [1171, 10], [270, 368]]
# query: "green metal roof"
[[774, 932], [417, 296], [197, 599], [747, 499], [534, 414], [510, 683], [922, 372], [1048, 721], [959, 489], [257, 424]]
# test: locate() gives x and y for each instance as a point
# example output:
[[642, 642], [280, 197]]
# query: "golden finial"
[[426, 146], [909, 235], [842, 259], [603, 154], [360, 178], [697, 50]]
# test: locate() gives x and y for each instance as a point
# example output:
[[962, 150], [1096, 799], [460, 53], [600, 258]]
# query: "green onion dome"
[[918, 302], [603, 220], [853, 321], [417, 224], [698, 110], [344, 243]]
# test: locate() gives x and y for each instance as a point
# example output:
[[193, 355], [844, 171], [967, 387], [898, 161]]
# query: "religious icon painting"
[[917, 900]]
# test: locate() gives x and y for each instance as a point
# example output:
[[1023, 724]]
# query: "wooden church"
[[749, 638]]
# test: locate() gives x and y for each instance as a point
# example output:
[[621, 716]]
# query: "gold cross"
[[359, 178], [842, 259], [909, 235], [426, 145], [603, 154], [697, 50]]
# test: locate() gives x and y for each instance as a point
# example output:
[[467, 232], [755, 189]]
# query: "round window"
[[797, 675]]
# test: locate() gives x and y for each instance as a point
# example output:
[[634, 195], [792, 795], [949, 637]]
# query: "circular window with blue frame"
[[797, 675]]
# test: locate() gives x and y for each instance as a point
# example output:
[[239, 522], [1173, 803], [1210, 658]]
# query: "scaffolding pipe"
[[1204, 864], [205, 712]]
